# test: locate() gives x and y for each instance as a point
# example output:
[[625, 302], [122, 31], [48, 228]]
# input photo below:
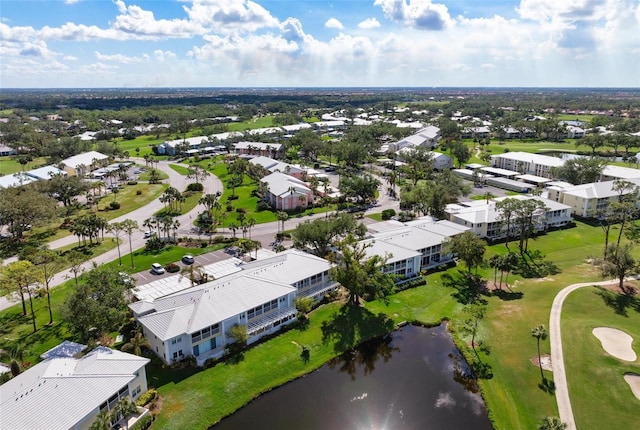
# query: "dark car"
[[188, 259]]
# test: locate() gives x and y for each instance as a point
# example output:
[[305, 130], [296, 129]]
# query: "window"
[[136, 391], [175, 355]]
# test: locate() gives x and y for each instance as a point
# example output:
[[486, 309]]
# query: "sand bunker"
[[634, 382], [616, 343]]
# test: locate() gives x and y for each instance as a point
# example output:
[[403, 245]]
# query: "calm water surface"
[[413, 378]]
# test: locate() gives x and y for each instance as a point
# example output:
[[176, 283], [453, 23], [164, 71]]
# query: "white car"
[[157, 269], [147, 234]]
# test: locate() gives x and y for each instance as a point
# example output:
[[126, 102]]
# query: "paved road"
[[265, 233], [557, 357], [211, 185]]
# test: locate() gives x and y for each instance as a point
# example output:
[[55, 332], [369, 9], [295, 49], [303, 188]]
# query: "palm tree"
[[282, 217], [193, 271], [129, 226], [136, 343], [539, 332], [102, 421], [488, 196], [552, 423], [117, 229]]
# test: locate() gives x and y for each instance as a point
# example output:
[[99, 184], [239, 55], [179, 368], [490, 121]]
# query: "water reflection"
[[413, 378], [365, 356]]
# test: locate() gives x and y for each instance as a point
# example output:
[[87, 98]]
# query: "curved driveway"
[[557, 356]]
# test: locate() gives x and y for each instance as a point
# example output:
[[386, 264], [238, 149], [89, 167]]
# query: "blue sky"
[[310, 43]]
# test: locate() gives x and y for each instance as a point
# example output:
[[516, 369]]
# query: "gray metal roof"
[[59, 392]]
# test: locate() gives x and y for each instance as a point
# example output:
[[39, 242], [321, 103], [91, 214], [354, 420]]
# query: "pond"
[[413, 378]]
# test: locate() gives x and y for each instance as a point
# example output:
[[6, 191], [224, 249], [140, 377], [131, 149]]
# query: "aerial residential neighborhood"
[[149, 262], [383, 214]]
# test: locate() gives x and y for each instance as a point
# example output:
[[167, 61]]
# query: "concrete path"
[[211, 185], [557, 356]]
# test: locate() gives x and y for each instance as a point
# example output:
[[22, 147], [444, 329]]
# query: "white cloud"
[[71, 1], [135, 22], [333, 23], [230, 16], [117, 58], [161, 55], [420, 14], [369, 23]]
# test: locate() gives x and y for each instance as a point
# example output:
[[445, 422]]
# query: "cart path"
[[557, 356]]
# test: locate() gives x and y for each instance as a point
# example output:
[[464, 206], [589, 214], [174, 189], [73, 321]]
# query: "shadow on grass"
[[620, 303], [469, 288], [548, 386], [351, 325], [507, 295], [533, 265]]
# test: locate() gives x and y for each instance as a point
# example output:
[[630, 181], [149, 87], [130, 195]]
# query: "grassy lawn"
[[161, 175], [260, 122], [9, 165], [514, 395], [129, 201], [246, 201], [180, 169], [144, 143], [191, 201], [599, 395]]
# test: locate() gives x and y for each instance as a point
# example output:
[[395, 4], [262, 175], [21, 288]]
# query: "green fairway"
[[599, 395]]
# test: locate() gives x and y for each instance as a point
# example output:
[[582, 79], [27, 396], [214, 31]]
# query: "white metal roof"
[[57, 393], [15, 180], [45, 172], [620, 172], [544, 160], [207, 304], [281, 184], [85, 159]]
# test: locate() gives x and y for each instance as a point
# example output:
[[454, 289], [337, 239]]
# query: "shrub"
[[154, 244], [388, 214], [138, 192], [114, 205], [233, 198], [263, 206], [229, 207], [195, 187], [241, 210], [143, 423], [172, 268], [147, 397]]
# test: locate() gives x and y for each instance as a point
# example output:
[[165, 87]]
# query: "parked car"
[[147, 234], [157, 269], [188, 259]]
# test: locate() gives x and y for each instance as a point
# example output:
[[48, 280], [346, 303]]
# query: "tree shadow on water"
[[351, 324]]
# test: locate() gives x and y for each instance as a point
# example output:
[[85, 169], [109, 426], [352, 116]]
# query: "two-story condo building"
[[195, 322]]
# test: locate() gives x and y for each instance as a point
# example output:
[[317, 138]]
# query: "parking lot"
[[146, 276]]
